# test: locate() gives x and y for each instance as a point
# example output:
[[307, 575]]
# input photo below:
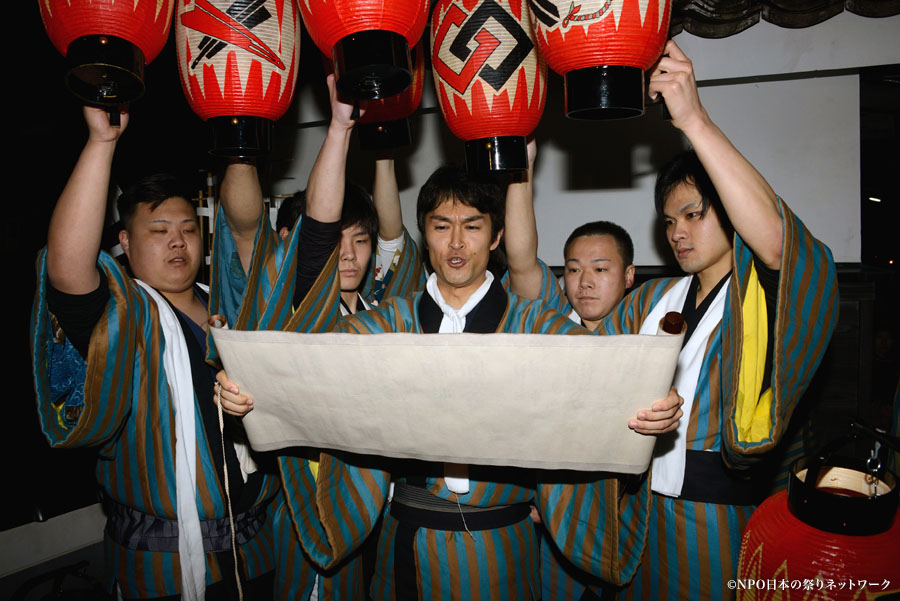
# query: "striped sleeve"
[[598, 525], [551, 294], [227, 280], [806, 313], [405, 276], [334, 510], [85, 402]]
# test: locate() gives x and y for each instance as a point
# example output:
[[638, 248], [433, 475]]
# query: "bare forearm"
[[76, 226], [386, 195], [325, 190], [521, 238], [242, 201], [747, 197]]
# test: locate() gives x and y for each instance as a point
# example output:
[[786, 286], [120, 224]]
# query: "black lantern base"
[[497, 153], [240, 136], [388, 134], [836, 507], [105, 70], [371, 65], [607, 92]]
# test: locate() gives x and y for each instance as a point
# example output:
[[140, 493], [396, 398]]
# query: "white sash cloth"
[[669, 455], [456, 475], [177, 364]]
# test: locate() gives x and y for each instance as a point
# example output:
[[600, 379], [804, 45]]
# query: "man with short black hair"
[[119, 364], [598, 255], [438, 510], [760, 303]]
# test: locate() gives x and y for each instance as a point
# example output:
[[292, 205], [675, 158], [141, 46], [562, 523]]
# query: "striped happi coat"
[[267, 305], [340, 505], [118, 400], [692, 550]]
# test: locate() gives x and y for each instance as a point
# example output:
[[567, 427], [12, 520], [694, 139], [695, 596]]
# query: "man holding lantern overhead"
[[119, 364], [760, 303]]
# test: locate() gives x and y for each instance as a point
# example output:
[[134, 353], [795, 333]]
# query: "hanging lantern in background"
[[368, 41], [107, 44], [491, 82], [834, 534], [602, 48], [385, 123], [238, 62]]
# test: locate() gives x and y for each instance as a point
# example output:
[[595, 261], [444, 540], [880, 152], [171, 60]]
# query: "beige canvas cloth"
[[527, 400]]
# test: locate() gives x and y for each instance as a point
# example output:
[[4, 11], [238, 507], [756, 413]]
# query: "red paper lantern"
[[385, 123], [491, 82], [107, 44], [368, 41], [238, 64], [849, 551], [602, 48]]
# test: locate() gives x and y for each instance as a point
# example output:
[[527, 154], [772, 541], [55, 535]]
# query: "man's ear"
[[123, 240], [496, 241], [629, 276]]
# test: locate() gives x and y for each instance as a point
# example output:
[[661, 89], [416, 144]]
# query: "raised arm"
[[73, 240], [242, 201], [748, 199], [520, 235], [325, 190], [386, 196]]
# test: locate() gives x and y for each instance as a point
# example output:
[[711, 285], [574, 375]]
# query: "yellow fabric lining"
[[314, 468], [752, 410]]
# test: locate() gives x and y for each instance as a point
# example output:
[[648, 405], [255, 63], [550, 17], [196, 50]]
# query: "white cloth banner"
[[527, 400]]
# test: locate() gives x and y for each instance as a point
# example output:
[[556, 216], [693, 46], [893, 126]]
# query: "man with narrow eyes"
[[119, 365], [759, 302]]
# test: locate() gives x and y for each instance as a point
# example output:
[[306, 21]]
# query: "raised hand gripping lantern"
[[385, 124], [107, 44], [490, 80], [601, 48], [368, 42], [238, 62]]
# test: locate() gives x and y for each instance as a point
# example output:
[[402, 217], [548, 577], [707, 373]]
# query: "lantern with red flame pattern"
[[368, 41], [107, 44], [385, 123], [836, 523], [238, 63], [490, 80], [602, 48]]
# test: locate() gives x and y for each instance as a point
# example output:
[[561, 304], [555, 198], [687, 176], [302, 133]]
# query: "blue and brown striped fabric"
[[500, 563], [693, 547], [267, 305], [118, 401]]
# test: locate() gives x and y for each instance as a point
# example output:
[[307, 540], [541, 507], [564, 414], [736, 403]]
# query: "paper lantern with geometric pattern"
[[107, 44], [490, 80], [238, 63], [602, 48], [368, 41]]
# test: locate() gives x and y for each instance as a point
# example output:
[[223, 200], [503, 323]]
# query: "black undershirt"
[[316, 243]]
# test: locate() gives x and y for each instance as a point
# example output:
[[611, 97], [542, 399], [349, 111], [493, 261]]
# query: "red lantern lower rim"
[[371, 65], [497, 154], [604, 92], [105, 70]]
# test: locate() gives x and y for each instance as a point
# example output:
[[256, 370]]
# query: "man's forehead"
[[594, 248], [171, 209], [454, 207], [684, 197]]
